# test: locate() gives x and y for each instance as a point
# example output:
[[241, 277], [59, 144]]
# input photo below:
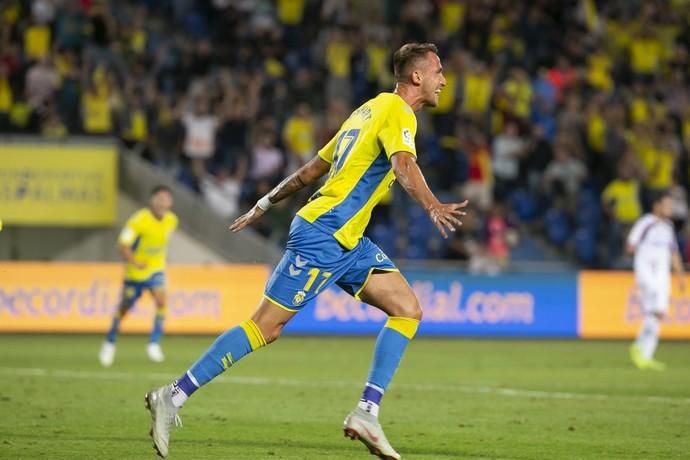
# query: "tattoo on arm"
[[287, 187], [412, 180]]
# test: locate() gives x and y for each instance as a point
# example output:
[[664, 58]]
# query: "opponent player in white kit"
[[653, 241]]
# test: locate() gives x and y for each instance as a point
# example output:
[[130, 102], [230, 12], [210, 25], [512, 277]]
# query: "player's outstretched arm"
[[306, 175], [443, 215]]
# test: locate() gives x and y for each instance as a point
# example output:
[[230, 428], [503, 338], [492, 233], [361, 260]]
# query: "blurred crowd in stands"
[[559, 118]]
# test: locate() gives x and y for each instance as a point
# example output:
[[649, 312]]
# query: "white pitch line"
[[242, 380]]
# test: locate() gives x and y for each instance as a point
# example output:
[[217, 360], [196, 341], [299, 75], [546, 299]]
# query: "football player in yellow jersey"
[[143, 244], [374, 147]]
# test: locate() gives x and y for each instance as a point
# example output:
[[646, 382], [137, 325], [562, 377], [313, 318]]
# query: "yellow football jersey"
[[148, 239], [361, 171]]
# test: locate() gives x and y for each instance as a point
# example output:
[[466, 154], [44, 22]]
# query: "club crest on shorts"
[[299, 298]]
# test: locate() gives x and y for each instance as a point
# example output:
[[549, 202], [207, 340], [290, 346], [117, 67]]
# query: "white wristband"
[[264, 203]]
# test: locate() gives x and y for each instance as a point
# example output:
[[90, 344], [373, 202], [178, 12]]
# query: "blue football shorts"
[[132, 290], [314, 261]]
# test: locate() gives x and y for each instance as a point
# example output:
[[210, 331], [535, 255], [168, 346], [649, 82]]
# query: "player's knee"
[[270, 331], [161, 300], [271, 334], [409, 308], [415, 311], [124, 309], [161, 307]]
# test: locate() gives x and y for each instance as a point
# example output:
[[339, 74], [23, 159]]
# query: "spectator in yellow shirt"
[[290, 12], [299, 135], [137, 36], [96, 112], [501, 42], [452, 15], [37, 40], [660, 160], [599, 66], [477, 89], [6, 97], [646, 54], [621, 197], [639, 138], [621, 202], [135, 133], [596, 125], [518, 90], [338, 54], [378, 72], [639, 107]]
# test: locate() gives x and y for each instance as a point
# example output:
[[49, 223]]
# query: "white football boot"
[[361, 425], [163, 416], [107, 354], [155, 352]]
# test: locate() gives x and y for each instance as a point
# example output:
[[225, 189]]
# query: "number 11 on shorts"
[[313, 274]]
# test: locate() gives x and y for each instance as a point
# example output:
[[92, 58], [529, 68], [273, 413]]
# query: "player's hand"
[[246, 219], [681, 283], [447, 216], [140, 265]]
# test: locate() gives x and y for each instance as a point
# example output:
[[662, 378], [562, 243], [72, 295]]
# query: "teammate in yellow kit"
[[326, 246], [143, 244]]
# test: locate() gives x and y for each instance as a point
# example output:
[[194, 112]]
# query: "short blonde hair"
[[408, 55]]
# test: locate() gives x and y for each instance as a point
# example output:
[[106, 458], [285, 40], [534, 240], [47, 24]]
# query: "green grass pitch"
[[451, 399]]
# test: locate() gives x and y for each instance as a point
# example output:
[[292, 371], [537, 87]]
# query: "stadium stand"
[[570, 113]]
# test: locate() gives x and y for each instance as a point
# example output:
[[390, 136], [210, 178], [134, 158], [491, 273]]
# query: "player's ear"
[[416, 77]]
